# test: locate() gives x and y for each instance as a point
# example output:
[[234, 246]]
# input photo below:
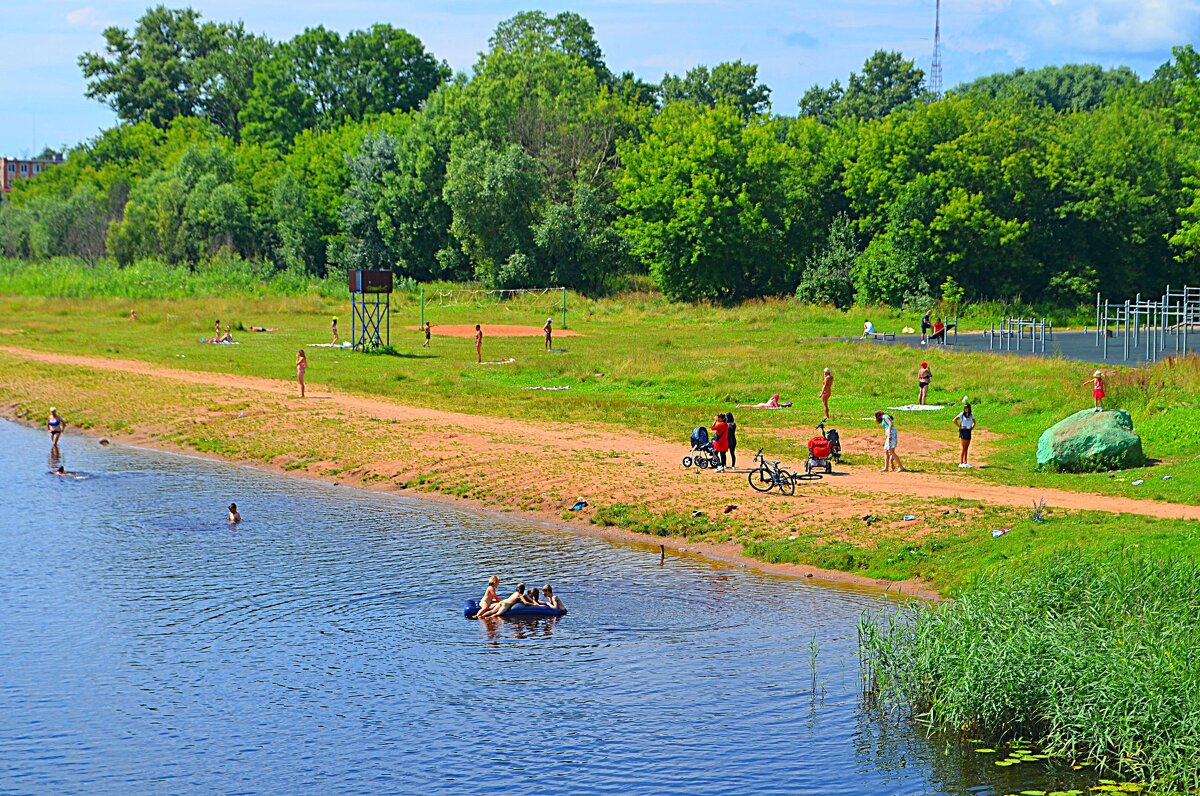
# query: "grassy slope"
[[667, 368]]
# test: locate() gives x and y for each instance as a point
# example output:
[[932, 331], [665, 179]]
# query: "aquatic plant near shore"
[[1095, 656]]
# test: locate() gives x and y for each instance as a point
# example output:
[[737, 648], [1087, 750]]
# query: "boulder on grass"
[[1088, 441]]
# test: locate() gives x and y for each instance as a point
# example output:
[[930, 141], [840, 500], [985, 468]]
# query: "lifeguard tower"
[[370, 309]]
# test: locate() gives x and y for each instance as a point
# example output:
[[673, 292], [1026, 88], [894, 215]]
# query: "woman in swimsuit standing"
[[478, 344], [826, 390], [924, 376], [301, 366], [55, 426]]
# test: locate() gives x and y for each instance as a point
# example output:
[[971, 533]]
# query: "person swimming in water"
[[552, 598], [234, 517]]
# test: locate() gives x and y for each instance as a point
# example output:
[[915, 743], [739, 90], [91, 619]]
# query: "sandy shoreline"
[[729, 553]]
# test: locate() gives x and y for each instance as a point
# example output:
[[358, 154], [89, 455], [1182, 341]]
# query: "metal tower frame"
[[935, 70]]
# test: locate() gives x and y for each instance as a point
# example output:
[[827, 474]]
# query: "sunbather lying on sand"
[[771, 403]]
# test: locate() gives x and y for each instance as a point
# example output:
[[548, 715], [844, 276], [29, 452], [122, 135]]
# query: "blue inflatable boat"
[[519, 611]]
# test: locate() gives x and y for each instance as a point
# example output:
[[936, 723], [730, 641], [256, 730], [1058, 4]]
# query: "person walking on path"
[[55, 426], [720, 441], [1097, 381], [965, 421], [925, 326], [924, 376], [427, 332], [478, 344], [890, 441], [548, 330], [301, 366], [732, 435], [826, 390], [336, 340]]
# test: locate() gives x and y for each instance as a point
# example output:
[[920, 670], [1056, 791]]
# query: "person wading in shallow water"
[[234, 517]]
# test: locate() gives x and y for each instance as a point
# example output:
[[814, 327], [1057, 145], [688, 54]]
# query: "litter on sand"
[[730, 508], [697, 513], [916, 408], [1167, 477], [997, 533], [909, 517], [564, 387], [579, 506], [1138, 482]]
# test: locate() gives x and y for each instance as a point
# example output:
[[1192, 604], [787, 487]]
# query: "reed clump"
[[1096, 656]]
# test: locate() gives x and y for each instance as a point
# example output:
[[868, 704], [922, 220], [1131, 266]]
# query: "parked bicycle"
[[769, 475]]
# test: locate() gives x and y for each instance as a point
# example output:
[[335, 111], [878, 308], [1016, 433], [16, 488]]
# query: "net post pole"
[[564, 307], [422, 307], [1097, 318], [387, 312]]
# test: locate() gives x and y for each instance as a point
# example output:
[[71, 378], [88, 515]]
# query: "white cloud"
[[85, 18]]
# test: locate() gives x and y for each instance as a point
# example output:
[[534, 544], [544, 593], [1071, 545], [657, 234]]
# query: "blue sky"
[[795, 44]]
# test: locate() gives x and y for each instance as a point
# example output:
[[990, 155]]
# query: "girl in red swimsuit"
[[1097, 381]]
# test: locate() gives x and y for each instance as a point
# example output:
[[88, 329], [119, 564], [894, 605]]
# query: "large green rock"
[[1090, 440]]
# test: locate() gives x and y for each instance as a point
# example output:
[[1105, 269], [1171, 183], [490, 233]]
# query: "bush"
[[827, 277]]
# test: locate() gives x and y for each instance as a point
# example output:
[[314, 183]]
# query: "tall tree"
[[319, 80], [174, 65], [731, 83], [566, 32], [706, 208]]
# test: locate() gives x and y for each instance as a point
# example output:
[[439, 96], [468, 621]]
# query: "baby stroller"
[[702, 454], [823, 451]]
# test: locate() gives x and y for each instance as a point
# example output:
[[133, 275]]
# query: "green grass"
[[648, 365], [1092, 654]]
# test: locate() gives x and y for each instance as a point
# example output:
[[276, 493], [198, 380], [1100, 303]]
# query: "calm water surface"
[[320, 648]]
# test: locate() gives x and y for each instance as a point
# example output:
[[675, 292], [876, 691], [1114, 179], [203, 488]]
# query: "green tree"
[[1071, 87], [827, 276], [320, 80], [494, 196], [174, 65], [706, 208], [566, 33], [888, 81], [732, 83]]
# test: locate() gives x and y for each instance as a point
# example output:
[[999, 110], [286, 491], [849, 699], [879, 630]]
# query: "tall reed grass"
[[1096, 656], [63, 277]]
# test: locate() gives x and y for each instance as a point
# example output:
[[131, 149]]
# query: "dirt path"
[[462, 437]]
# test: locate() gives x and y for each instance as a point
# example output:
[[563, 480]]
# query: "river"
[[319, 647]]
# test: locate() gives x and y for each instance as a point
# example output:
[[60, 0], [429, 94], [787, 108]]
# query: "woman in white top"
[[965, 422]]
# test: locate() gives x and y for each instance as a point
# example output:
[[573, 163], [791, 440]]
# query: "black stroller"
[[702, 454]]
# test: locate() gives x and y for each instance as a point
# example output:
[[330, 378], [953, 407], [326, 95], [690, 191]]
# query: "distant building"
[[13, 169]]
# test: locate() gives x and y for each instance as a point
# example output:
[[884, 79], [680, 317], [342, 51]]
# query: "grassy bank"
[[1094, 655], [653, 367]]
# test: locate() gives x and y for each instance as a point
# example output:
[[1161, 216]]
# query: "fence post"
[[1125, 336], [1098, 316]]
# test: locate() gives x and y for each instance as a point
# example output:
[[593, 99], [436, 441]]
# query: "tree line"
[[545, 167]]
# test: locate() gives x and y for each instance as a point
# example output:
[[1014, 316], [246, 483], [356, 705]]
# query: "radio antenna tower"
[[935, 71]]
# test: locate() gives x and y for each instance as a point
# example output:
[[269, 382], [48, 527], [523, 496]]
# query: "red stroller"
[[823, 451]]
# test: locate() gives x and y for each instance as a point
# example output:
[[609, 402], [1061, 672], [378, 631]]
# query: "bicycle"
[[769, 475]]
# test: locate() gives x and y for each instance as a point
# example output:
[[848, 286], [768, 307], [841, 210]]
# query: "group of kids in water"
[[491, 605]]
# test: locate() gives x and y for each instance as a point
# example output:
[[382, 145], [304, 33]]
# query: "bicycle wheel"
[[760, 480], [787, 485]]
